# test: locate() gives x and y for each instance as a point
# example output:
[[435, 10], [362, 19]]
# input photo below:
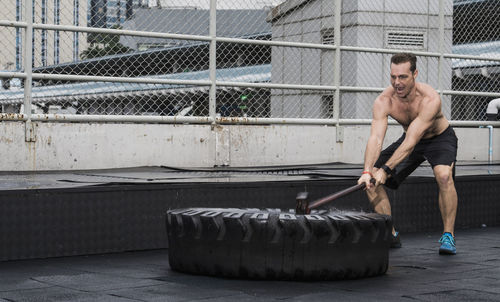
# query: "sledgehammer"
[[303, 206]]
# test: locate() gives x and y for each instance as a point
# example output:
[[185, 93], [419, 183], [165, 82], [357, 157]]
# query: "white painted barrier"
[[75, 146]]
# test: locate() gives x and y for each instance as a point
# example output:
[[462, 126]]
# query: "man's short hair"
[[404, 57]]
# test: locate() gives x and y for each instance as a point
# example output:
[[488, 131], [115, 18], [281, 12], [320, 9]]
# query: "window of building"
[[118, 12], [328, 36], [146, 46]]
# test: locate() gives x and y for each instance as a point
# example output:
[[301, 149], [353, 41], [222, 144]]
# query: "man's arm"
[[376, 139], [430, 107], [377, 134]]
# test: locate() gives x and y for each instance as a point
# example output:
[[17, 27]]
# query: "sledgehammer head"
[[302, 204]]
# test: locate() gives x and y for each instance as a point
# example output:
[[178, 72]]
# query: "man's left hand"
[[380, 177]]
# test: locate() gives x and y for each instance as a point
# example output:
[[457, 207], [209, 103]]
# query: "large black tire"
[[271, 244]]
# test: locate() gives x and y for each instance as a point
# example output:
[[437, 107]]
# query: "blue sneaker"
[[447, 244], [396, 241]]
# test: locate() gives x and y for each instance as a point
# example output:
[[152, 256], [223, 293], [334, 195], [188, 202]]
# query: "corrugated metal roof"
[[253, 74], [230, 23], [463, 2], [483, 49]]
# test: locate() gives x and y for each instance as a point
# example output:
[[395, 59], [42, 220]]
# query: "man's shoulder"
[[383, 102], [387, 94], [426, 90]]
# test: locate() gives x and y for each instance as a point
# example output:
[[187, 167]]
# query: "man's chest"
[[403, 112]]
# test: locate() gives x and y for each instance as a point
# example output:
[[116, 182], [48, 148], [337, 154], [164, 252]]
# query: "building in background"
[[294, 20], [221, 4], [164, 58], [230, 23], [50, 47], [112, 13], [372, 24]]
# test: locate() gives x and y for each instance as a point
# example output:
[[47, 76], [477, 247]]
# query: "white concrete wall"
[[72, 146]]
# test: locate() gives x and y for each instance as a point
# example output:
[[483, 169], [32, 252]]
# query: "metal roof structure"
[[98, 90], [230, 23], [463, 2], [235, 23], [483, 49]]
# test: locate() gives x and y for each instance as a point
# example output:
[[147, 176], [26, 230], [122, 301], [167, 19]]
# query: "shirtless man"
[[428, 136]]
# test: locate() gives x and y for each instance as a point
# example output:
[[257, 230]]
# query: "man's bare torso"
[[405, 111]]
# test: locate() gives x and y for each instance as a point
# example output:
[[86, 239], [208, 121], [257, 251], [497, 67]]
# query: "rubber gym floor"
[[416, 273], [138, 271]]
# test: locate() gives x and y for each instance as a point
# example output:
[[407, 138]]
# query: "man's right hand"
[[365, 178]]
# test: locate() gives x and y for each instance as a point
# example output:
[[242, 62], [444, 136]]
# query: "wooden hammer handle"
[[339, 194]]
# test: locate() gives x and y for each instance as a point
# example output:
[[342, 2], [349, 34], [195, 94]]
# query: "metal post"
[[441, 48], [490, 142], [336, 70], [212, 59], [28, 60]]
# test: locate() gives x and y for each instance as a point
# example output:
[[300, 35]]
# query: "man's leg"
[[380, 201], [448, 206], [448, 199]]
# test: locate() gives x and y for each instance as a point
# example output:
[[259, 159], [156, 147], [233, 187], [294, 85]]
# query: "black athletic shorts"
[[438, 150]]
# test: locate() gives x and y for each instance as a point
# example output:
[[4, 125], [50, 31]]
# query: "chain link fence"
[[272, 58]]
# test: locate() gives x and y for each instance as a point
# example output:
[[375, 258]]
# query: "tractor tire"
[[271, 244]]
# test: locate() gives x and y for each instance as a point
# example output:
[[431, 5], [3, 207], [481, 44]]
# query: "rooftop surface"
[[416, 273], [160, 174]]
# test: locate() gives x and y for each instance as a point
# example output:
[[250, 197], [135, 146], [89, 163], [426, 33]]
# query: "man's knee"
[[444, 175]]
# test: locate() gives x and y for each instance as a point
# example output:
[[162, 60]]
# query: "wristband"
[[367, 172], [388, 170]]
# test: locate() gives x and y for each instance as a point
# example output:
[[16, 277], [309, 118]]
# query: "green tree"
[[104, 45]]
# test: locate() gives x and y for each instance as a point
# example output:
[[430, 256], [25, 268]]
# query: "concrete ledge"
[[78, 146]]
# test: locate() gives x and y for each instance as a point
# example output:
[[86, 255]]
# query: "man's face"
[[402, 79]]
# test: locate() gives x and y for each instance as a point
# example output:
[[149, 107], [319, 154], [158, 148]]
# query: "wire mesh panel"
[[290, 103], [356, 104], [476, 31], [239, 102], [111, 98]]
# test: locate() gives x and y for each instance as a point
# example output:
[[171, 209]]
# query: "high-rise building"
[[111, 13], [221, 4], [49, 47]]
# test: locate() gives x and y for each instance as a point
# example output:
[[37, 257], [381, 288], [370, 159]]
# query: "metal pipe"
[[490, 144], [208, 120], [43, 76], [337, 62], [28, 59], [441, 48], [493, 109], [212, 60], [473, 93], [8, 23], [106, 118]]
